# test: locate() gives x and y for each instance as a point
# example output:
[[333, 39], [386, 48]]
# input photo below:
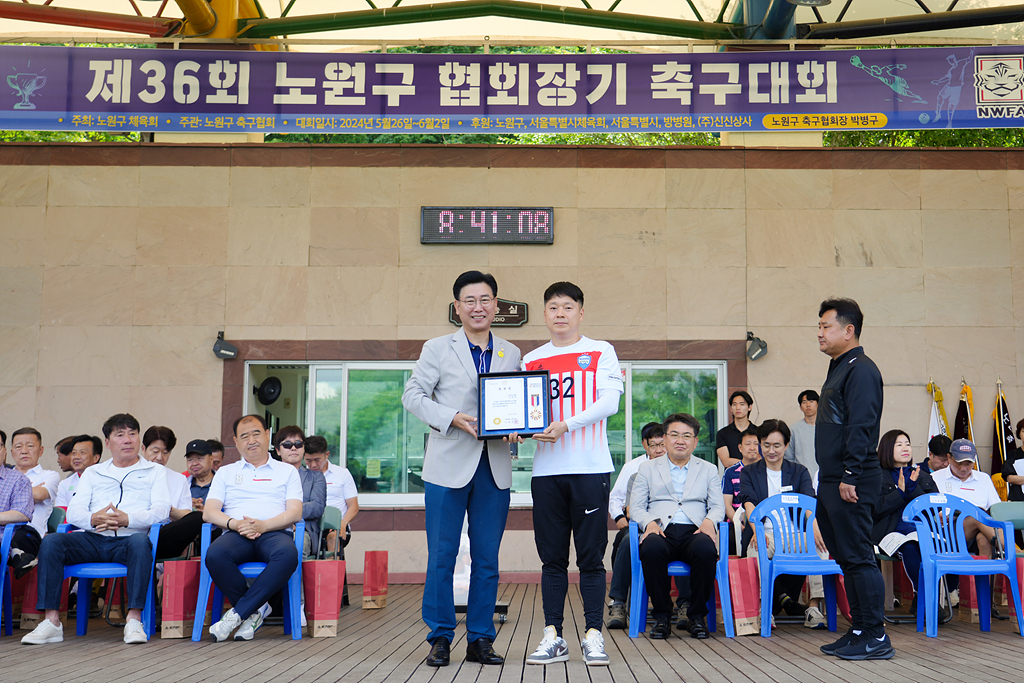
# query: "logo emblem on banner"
[[999, 79], [583, 361]]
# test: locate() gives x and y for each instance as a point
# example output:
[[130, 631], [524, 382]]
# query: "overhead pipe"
[[778, 20], [105, 21], [199, 17], [914, 23], [468, 9]]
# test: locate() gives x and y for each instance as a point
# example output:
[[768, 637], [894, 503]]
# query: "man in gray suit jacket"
[[462, 475], [677, 503]]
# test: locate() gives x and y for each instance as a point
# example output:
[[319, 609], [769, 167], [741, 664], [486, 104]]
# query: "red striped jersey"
[[578, 372]]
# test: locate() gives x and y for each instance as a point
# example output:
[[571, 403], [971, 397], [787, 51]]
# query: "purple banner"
[[56, 88]]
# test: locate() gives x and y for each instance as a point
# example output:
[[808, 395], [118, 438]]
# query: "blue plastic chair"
[[940, 520], [292, 594], [5, 584], [638, 589], [88, 571], [792, 517]]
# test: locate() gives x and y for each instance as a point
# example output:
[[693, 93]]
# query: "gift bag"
[[181, 592], [1009, 595], [323, 584], [30, 616], [375, 579], [842, 601], [745, 591]]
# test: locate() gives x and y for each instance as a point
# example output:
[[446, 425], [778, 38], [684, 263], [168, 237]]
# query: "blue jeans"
[[487, 507], [59, 550]]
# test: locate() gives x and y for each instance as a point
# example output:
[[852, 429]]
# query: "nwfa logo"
[[999, 86]]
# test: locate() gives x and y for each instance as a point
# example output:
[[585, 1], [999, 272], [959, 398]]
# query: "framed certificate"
[[513, 402]]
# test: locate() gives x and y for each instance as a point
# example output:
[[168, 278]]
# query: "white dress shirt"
[[978, 488], [340, 487], [258, 492]]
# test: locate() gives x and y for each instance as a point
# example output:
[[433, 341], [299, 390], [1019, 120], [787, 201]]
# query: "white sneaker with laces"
[[551, 649], [228, 623], [813, 618], [44, 633], [249, 627], [593, 649], [134, 633]]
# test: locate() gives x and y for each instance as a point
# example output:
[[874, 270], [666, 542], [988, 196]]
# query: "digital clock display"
[[486, 225]]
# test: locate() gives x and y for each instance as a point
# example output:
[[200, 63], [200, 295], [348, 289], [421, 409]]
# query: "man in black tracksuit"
[[845, 444]]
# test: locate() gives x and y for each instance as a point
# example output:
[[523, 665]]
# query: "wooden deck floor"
[[387, 645]]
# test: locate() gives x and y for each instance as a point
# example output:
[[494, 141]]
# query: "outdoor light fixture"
[[225, 350], [758, 348], [811, 3]]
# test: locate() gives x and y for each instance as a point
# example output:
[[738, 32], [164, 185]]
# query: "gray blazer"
[[445, 383], [314, 500], [653, 497]]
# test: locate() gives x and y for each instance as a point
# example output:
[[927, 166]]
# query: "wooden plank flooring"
[[387, 646]]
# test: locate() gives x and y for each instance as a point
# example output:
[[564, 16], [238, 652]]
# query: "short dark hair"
[[847, 313], [97, 444], [809, 394], [564, 289], [215, 445], [120, 421], [3, 438], [939, 444], [652, 430], [258, 418], [290, 430], [687, 419], [28, 430], [316, 444], [769, 426], [1020, 426], [472, 277], [887, 444], [751, 430], [742, 394], [65, 445], [159, 433]]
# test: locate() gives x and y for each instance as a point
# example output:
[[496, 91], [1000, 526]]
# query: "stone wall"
[[120, 263]]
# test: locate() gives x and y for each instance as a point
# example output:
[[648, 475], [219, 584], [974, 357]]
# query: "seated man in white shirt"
[[257, 500], [85, 452], [112, 532], [962, 480], [26, 448], [341, 487]]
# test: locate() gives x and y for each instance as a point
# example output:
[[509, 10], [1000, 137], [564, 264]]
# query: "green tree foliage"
[[977, 137]]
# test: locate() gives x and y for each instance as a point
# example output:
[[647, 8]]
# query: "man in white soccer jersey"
[[572, 471]]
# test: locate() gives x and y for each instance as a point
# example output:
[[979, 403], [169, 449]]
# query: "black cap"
[[198, 446]]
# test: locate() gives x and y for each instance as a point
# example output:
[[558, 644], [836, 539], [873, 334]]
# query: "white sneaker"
[[551, 649], [252, 624], [44, 633], [228, 623], [813, 618], [134, 633], [593, 649]]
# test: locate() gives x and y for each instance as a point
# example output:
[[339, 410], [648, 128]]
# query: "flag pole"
[[999, 413], [970, 418]]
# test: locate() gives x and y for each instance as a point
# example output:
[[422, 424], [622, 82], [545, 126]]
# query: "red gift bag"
[[1009, 594], [842, 601], [375, 579], [30, 616], [181, 592], [323, 585], [745, 591]]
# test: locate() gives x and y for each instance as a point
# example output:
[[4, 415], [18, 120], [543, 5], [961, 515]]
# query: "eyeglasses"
[[290, 445], [677, 435], [483, 301]]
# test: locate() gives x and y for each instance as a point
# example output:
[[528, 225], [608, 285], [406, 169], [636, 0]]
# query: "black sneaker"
[[21, 562], [867, 647], [843, 641]]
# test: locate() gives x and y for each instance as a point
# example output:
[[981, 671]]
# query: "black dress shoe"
[[699, 628], [661, 630], [481, 650], [440, 652]]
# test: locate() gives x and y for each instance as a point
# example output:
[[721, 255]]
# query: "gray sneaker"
[[228, 623], [551, 649], [593, 649], [617, 615]]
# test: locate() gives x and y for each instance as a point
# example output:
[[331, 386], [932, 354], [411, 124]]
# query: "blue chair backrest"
[[940, 523], [792, 517]]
